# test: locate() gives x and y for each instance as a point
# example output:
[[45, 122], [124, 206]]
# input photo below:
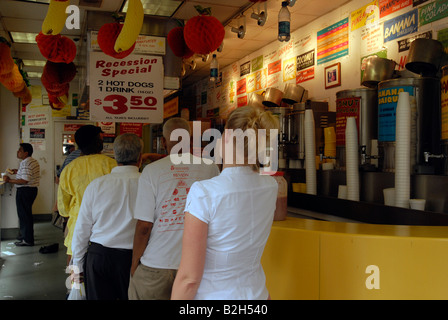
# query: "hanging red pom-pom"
[[59, 72], [203, 34], [177, 43], [56, 48], [107, 35]]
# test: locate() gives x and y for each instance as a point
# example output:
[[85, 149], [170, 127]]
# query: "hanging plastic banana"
[[55, 19], [132, 26]]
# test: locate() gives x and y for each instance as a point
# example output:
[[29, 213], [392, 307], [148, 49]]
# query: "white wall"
[[9, 144]]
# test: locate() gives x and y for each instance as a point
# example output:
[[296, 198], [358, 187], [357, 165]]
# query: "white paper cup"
[[389, 196], [417, 204], [342, 192], [327, 166]]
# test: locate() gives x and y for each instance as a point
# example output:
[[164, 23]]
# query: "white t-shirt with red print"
[[162, 193]]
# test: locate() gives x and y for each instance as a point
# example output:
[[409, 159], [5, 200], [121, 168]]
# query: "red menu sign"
[[346, 107]]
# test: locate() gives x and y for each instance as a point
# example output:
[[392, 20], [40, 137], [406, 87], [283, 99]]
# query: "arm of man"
[[83, 229], [141, 238], [194, 245], [14, 181], [64, 198]]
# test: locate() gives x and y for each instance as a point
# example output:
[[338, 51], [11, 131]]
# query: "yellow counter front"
[[312, 259]]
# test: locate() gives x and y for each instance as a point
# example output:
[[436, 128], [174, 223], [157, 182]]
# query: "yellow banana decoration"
[[55, 19], [132, 26], [63, 99]]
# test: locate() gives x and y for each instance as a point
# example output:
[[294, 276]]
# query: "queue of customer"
[[180, 231]]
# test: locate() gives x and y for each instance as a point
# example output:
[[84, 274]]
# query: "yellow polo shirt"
[[74, 180]]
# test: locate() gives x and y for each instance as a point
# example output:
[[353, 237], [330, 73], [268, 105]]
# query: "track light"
[[241, 30], [221, 46], [261, 16]]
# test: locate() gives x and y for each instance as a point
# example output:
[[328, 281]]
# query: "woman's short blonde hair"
[[249, 117]]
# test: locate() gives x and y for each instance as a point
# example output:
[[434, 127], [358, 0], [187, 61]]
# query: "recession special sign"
[[126, 90]]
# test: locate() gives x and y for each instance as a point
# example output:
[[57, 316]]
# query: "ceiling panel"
[[28, 16]]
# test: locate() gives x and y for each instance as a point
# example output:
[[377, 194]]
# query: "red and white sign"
[[305, 75], [126, 90]]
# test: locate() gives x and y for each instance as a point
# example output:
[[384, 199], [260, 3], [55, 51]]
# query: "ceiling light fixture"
[[23, 37], [32, 74], [34, 63], [241, 30], [165, 8], [291, 3], [261, 16]]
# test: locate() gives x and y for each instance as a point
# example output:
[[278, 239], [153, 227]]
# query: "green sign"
[[442, 36], [433, 12], [257, 63]]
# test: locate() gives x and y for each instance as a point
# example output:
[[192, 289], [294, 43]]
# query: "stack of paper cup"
[[310, 153], [417, 204], [352, 159], [403, 151], [342, 191], [389, 196]]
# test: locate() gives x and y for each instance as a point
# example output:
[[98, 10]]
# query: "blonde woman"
[[227, 221]]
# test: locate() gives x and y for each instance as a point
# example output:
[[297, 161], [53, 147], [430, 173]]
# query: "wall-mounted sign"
[[433, 11], [332, 42], [257, 63], [245, 68], [390, 6], [365, 15], [401, 26], [305, 60], [305, 75], [126, 90], [170, 108]]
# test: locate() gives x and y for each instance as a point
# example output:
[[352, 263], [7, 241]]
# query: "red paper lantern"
[[56, 48], [177, 43], [203, 34], [107, 35], [59, 72]]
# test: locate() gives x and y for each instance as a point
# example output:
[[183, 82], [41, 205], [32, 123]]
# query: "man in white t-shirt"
[[162, 192]]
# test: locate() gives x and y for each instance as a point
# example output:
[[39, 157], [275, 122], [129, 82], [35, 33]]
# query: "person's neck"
[[232, 165]]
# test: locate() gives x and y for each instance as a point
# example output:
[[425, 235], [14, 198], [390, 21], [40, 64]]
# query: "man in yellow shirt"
[[77, 175]]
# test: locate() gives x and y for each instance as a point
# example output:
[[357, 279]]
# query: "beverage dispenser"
[[424, 93], [362, 104]]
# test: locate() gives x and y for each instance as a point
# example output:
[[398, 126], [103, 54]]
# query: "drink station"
[[372, 177]]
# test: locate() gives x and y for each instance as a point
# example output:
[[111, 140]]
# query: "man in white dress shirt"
[[104, 231]]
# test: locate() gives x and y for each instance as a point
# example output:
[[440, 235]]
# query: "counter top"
[[363, 228]]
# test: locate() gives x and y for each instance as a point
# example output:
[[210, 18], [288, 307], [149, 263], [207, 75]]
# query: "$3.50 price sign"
[[126, 90], [120, 103]]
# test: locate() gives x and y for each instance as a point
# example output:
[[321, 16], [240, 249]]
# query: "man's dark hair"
[[27, 148], [89, 140]]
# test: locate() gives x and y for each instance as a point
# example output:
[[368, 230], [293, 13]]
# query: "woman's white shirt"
[[238, 206]]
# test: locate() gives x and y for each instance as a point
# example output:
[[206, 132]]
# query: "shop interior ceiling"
[[26, 16]]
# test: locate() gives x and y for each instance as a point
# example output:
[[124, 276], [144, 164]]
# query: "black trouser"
[[107, 272], [25, 197]]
